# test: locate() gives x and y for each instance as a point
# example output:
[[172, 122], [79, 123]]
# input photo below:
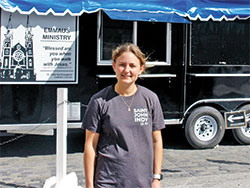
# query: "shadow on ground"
[[14, 185], [41, 145], [173, 138]]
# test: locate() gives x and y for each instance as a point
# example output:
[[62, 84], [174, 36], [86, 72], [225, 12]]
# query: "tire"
[[242, 135], [204, 127]]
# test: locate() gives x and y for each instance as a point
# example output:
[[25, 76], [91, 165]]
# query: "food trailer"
[[198, 64]]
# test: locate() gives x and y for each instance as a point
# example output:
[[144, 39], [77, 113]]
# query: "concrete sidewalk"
[[28, 162]]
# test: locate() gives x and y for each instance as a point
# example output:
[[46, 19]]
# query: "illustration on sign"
[[17, 60], [38, 49]]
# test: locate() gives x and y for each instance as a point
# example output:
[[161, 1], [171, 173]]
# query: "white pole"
[[61, 180], [61, 139], [135, 26]]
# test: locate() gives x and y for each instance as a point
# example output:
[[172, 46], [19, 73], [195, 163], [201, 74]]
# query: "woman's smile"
[[127, 68]]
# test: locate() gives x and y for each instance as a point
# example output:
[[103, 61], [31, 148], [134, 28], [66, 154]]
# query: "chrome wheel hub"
[[205, 128]]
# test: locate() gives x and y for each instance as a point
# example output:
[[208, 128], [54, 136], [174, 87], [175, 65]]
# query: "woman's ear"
[[113, 65], [141, 69]]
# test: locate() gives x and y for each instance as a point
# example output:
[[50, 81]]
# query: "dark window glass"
[[220, 43], [115, 32], [151, 38]]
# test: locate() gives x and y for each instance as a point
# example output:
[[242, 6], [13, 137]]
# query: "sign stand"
[[62, 180]]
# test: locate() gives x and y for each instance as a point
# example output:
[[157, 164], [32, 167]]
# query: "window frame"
[[100, 28]]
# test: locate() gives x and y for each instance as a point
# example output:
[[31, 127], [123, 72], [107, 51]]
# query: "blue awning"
[[218, 9], [146, 16], [141, 10]]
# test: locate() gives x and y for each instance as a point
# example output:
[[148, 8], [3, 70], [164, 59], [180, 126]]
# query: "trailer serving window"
[[154, 38], [220, 43]]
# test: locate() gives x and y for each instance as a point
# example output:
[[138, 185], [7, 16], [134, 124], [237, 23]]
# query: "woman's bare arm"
[[158, 152], [91, 141]]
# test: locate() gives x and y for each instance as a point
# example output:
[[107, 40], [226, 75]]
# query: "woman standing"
[[123, 122]]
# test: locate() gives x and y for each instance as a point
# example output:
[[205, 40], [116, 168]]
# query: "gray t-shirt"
[[125, 149]]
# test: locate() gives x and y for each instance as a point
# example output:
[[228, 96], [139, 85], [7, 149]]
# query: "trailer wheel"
[[204, 127], [242, 135]]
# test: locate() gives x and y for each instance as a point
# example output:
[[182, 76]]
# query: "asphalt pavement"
[[29, 161]]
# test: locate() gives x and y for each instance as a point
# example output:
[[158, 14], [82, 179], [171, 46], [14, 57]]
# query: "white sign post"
[[62, 180], [61, 137]]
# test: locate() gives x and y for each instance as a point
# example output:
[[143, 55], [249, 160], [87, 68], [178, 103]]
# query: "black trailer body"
[[217, 82], [200, 71]]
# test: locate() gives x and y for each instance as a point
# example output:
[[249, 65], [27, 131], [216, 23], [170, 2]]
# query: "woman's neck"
[[125, 90]]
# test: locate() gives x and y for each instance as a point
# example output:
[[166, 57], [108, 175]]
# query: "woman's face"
[[127, 68]]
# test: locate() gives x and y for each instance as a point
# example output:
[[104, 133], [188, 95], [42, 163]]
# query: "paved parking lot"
[[29, 161]]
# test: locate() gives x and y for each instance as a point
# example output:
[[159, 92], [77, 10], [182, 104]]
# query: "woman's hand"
[[156, 184]]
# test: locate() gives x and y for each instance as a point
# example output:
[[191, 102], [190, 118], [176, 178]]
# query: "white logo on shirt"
[[141, 116]]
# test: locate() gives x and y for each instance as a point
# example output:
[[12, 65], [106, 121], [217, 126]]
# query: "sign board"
[[74, 111], [38, 49], [235, 119]]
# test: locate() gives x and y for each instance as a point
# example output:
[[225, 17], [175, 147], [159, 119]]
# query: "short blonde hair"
[[129, 47]]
